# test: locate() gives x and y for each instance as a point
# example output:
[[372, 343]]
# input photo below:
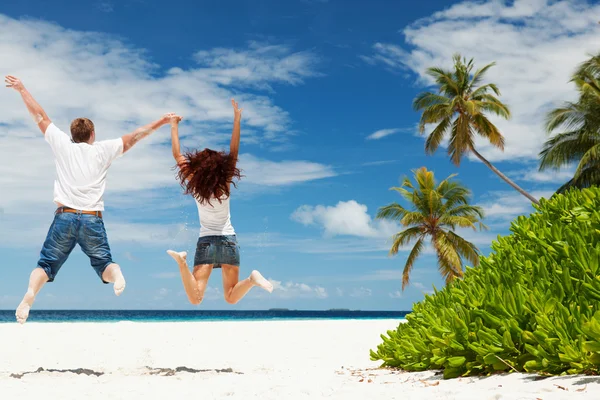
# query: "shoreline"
[[78, 316], [199, 321]]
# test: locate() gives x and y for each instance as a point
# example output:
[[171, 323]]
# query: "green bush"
[[532, 305]]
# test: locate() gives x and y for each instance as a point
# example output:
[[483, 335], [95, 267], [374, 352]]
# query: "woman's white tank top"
[[215, 218]]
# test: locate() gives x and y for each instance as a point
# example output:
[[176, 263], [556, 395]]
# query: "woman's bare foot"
[[258, 280], [180, 257]]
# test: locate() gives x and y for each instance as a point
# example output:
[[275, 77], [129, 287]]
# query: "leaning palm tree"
[[437, 210], [579, 143], [459, 109]]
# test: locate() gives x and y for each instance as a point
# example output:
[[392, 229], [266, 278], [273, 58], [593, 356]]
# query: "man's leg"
[[93, 241], [113, 274], [37, 279], [59, 243]]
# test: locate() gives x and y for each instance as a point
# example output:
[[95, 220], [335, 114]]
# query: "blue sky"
[[328, 128]]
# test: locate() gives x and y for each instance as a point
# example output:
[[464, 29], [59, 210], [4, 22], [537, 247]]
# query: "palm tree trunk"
[[504, 177]]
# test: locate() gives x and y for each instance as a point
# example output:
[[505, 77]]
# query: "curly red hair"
[[206, 174]]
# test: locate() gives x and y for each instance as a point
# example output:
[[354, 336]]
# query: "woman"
[[207, 175]]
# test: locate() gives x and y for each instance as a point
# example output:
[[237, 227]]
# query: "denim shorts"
[[69, 229], [217, 250]]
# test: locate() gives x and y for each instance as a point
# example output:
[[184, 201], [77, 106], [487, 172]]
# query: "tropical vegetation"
[[459, 111], [532, 305], [437, 209], [578, 141]]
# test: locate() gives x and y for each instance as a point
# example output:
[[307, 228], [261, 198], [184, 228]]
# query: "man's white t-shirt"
[[81, 169]]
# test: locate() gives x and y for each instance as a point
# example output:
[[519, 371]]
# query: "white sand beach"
[[235, 360]]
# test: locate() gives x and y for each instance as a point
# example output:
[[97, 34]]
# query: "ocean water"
[[8, 316]]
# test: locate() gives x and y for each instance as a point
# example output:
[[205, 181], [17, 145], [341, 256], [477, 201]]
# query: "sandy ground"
[[235, 360]]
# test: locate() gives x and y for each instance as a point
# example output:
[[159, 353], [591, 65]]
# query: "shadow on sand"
[[78, 371], [149, 370], [173, 371]]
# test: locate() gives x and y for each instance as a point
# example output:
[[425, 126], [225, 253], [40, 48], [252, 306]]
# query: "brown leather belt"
[[72, 210]]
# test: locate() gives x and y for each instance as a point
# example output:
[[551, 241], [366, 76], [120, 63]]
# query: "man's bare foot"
[[180, 257], [22, 312], [260, 281], [119, 284]]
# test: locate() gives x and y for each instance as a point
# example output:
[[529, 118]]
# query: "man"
[[81, 167]]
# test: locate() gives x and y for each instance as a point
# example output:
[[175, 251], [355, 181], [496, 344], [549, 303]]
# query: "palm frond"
[[569, 117], [392, 212], [449, 262], [410, 262], [436, 137], [590, 158], [565, 148], [490, 104], [403, 238], [434, 115], [413, 218], [447, 85], [478, 75], [486, 129], [480, 91], [428, 99], [458, 221], [461, 139], [466, 249]]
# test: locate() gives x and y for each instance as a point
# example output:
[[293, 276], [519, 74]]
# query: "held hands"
[[171, 118], [237, 112], [14, 83]]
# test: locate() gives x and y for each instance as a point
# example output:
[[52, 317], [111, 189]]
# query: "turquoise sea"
[[7, 316]]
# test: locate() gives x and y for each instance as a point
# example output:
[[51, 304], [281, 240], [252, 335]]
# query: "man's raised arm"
[[37, 112], [132, 138]]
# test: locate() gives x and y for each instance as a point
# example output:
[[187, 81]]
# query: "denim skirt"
[[217, 250]]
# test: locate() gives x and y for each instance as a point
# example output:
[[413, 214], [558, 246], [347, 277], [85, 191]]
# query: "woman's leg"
[[234, 289], [193, 283]]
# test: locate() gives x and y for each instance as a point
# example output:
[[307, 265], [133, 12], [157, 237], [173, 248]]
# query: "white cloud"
[[105, 6], [382, 275], [212, 293], [395, 295], [421, 287], [249, 67], [339, 292], [161, 293], [502, 206], [270, 173], [549, 176], [345, 218], [297, 290], [536, 44], [382, 133], [378, 163], [361, 292]]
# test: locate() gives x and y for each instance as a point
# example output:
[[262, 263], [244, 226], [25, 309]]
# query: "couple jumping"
[[81, 167]]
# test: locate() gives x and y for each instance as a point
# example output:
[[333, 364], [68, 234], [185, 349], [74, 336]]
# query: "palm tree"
[[438, 209], [459, 110], [580, 141]]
